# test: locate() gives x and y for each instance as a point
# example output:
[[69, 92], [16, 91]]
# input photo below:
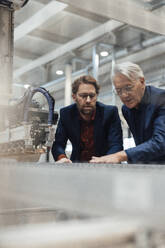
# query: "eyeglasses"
[[126, 89], [85, 96]]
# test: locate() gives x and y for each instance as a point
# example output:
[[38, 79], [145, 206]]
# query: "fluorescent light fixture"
[[26, 86], [49, 10], [59, 72], [104, 53]]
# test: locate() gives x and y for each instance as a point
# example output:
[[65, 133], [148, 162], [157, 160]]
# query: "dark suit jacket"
[[107, 131], [149, 135]]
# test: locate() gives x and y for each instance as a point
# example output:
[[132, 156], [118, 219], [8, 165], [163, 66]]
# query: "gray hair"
[[130, 70]]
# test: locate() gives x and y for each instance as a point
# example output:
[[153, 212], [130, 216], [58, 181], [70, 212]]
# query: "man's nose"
[[88, 99], [124, 93]]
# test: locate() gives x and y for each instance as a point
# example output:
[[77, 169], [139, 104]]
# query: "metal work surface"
[[94, 190], [74, 234], [81, 205]]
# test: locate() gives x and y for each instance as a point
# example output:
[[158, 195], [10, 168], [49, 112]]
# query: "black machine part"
[[52, 117], [14, 4]]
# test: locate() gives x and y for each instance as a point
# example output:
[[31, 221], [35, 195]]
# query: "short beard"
[[89, 113]]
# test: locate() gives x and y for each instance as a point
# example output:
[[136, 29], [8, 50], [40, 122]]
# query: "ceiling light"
[[59, 72], [104, 53], [26, 86]]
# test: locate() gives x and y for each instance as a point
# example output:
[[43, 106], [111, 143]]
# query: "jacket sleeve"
[[115, 135], [61, 138], [155, 146]]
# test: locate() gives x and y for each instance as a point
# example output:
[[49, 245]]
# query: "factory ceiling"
[[48, 35]]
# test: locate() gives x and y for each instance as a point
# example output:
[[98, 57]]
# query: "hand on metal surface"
[[64, 160], [112, 159], [115, 158]]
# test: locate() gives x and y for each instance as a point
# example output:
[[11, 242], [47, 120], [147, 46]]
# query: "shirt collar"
[[144, 101]]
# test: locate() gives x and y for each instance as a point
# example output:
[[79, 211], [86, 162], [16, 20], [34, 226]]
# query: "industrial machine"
[[14, 4], [27, 128]]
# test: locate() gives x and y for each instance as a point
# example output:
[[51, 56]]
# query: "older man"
[[93, 128], [144, 111]]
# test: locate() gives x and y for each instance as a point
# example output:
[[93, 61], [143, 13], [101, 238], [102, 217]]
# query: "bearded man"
[[93, 128]]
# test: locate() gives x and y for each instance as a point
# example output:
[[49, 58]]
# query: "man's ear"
[[142, 80], [74, 97]]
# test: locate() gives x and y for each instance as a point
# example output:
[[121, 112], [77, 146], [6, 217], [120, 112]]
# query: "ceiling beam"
[[124, 11], [144, 54], [49, 10], [86, 14], [25, 55], [136, 57], [59, 39], [99, 18], [73, 44]]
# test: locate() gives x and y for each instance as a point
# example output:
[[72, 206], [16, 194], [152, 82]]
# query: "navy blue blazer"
[[149, 134], [107, 131]]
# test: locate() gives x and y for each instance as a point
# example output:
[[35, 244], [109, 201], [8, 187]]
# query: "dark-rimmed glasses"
[[84, 96]]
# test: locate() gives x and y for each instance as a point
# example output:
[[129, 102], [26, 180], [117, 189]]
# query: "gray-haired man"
[[144, 111]]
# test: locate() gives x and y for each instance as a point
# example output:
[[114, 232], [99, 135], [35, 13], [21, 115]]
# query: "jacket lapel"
[[98, 127], [148, 115], [131, 122], [75, 126]]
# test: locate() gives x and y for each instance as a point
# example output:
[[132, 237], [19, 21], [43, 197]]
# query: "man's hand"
[[111, 159], [64, 160], [115, 158]]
